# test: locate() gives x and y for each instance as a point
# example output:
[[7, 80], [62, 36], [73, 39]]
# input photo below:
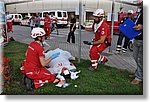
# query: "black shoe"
[[28, 83]]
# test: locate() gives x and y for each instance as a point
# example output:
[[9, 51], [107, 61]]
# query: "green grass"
[[103, 81]]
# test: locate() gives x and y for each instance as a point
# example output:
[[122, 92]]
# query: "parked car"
[[16, 18], [60, 16], [25, 21]]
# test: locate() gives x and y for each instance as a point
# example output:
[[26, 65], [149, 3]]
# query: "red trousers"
[[40, 77], [47, 30], [9, 27], [95, 56]]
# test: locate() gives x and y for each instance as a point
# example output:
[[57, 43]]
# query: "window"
[[16, 16], [52, 13], [59, 14], [19, 16], [64, 14], [11, 16]]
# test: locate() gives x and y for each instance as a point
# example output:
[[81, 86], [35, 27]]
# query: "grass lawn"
[[103, 81]]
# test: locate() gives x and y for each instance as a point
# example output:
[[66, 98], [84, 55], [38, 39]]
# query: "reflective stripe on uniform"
[[118, 49], [124, 49], [9, 20], [93, 60], [95, 64], [119, 46], [99, 58], [102, 58], [40, 81], [46, 81], [99, 45], [47, 74], [29, 73]]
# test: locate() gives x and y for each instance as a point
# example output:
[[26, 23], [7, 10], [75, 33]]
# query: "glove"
[[88, 42], [55, 55]]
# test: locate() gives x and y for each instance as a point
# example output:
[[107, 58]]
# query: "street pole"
[[61, 4], [112, 23], [28, 9], [79, 37], [97, 4]]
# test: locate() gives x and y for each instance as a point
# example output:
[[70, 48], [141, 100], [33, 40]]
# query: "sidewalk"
[[121, 61]]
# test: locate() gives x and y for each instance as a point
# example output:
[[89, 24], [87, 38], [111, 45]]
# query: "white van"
[[16, 18], [60, 16], [25, 21]]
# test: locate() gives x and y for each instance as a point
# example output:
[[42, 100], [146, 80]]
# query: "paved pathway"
[[121, 61]]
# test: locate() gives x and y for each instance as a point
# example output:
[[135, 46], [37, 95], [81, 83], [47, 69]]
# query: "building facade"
[[69, 5]]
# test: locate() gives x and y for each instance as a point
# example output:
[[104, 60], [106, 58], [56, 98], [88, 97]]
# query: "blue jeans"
[[138, 56]]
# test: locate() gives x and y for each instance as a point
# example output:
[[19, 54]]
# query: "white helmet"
[[130, 11], [99, 13], [37, 32]]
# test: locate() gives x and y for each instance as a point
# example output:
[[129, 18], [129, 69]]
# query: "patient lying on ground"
[[61, 66]]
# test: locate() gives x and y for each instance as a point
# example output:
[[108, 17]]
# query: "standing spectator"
[[9, 19], [54, 23], [32, 21], [47, 22], [72, 29], [37, 20], [101, 41], [121, 36], [9, 22], [138, 48]]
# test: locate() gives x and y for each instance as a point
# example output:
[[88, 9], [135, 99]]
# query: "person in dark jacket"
[[138, 49], [72, 29], [121, 36]]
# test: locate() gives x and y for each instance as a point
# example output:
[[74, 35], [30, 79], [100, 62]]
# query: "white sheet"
[[58, 63]]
